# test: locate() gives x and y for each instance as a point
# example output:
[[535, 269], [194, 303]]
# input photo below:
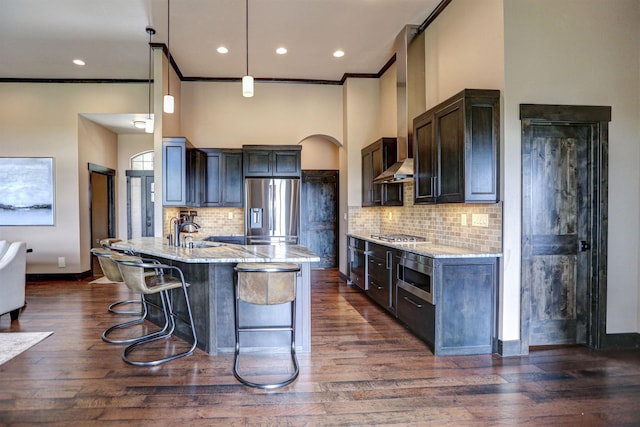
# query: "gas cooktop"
[[399, 238]]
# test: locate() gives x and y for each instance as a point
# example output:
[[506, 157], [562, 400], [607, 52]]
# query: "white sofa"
[[13, 266]]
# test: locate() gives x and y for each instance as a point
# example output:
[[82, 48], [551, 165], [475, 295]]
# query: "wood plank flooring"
[[364, 369]]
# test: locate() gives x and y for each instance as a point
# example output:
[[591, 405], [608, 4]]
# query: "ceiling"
[[40, 38]]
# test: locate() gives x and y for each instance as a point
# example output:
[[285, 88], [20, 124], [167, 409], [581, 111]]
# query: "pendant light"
[[148, 127], [168, 98], [247, 80]]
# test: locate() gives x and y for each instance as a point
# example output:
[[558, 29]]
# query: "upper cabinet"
[[376, 158], [456, 148], [183, 171], [224, 183], [272, 161]]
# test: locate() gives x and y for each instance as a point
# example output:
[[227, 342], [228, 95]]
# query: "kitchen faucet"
[[178, 227]]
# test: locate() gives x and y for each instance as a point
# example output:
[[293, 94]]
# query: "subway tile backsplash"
[[440, 224]]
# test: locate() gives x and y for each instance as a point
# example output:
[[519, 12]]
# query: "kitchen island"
[[208, 268]]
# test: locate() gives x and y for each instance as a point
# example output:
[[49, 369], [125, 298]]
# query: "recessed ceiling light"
[[281, 50], [140, 124], [78, 61], [222, 50], [338, 54]]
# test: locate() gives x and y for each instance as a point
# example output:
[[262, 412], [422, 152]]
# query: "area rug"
[[14, 343]]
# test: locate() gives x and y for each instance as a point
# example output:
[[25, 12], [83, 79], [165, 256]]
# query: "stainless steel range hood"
[[410, 81]]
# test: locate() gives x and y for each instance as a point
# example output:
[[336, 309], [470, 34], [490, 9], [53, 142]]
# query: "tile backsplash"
[[213, 221], [440, 224]]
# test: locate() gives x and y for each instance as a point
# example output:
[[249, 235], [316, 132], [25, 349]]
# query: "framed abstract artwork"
[[26, 191]]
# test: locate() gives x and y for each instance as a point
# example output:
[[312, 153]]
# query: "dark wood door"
[[557, 233], [564, 224], [319, 215]]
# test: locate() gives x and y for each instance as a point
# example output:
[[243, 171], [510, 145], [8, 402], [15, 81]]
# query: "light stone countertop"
[[432, 250], [218, 252]]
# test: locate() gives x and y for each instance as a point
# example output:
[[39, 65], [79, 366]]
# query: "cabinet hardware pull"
[[409, 300]]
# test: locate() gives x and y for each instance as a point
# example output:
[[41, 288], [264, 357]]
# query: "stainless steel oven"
[[415, 275], [358, 262]]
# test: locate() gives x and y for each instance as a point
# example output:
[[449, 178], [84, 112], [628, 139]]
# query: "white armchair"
[[13, 266]]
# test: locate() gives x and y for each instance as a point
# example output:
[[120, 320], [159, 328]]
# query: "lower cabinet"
[[418, 315], [379, 274], [465, 300], [451, 305]]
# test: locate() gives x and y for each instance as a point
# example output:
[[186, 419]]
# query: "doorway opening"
[[564, 225], [140, 196], [101, 207]]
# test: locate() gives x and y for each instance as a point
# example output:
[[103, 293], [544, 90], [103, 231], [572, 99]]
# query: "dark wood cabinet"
[[224, 182], [272, 161], [379, 260], [376, 158], [457, 148], [465, 302], [183, 169]]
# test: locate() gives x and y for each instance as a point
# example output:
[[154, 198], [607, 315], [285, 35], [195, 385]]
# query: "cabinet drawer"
[[380, 292], [418, 315]]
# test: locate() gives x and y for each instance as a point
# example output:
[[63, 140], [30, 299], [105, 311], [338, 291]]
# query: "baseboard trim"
[[49, 277], [630, 340], [343, 276], [509, 348]]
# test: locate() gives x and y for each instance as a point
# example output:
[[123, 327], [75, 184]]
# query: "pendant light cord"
[[168, 48], [151, 32], [246, 27]]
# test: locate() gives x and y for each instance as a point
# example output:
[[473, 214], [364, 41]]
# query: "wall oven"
[[415, 275], [358, 262]]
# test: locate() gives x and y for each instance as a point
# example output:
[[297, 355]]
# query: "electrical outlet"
[[61, 262], [463, 219], [390, 215], [480, 220], [230, 215]]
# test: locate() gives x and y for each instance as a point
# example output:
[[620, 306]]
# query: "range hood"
[[410, 64]]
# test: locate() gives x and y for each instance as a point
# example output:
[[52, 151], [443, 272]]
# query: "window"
[[142, 161]]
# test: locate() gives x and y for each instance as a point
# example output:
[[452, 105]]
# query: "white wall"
[[464, 49], [581, 52], [216, 115], [42, 120]]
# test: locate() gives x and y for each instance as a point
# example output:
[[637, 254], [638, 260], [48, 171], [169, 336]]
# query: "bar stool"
[[134, 272], [112, 273], [266, 284]]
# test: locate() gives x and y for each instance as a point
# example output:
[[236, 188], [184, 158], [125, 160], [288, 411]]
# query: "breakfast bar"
[[208, 268]]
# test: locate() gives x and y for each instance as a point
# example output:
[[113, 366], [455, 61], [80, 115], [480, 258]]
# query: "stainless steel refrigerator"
[[272, 211]]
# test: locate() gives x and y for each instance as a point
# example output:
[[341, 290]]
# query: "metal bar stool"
[[266, 284], [112, 273], [134, 272]]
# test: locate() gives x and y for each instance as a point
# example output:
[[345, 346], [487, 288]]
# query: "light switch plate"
[[463, 219], [480, 220]]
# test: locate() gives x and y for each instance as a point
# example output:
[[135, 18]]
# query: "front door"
[[140, 199], [562, 248]]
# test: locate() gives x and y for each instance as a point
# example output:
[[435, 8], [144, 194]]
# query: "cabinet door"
[[482, 135], [232, 182], [376, 169], [286, 163], [257, 163], [450, 131], [196, 177], [367, 179], [174, 167], [425, 159], [214, 184]]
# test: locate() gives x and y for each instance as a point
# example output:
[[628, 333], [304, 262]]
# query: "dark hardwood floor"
[[364, 369]]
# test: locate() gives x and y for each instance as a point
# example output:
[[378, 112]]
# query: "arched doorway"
[[320, 198]]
